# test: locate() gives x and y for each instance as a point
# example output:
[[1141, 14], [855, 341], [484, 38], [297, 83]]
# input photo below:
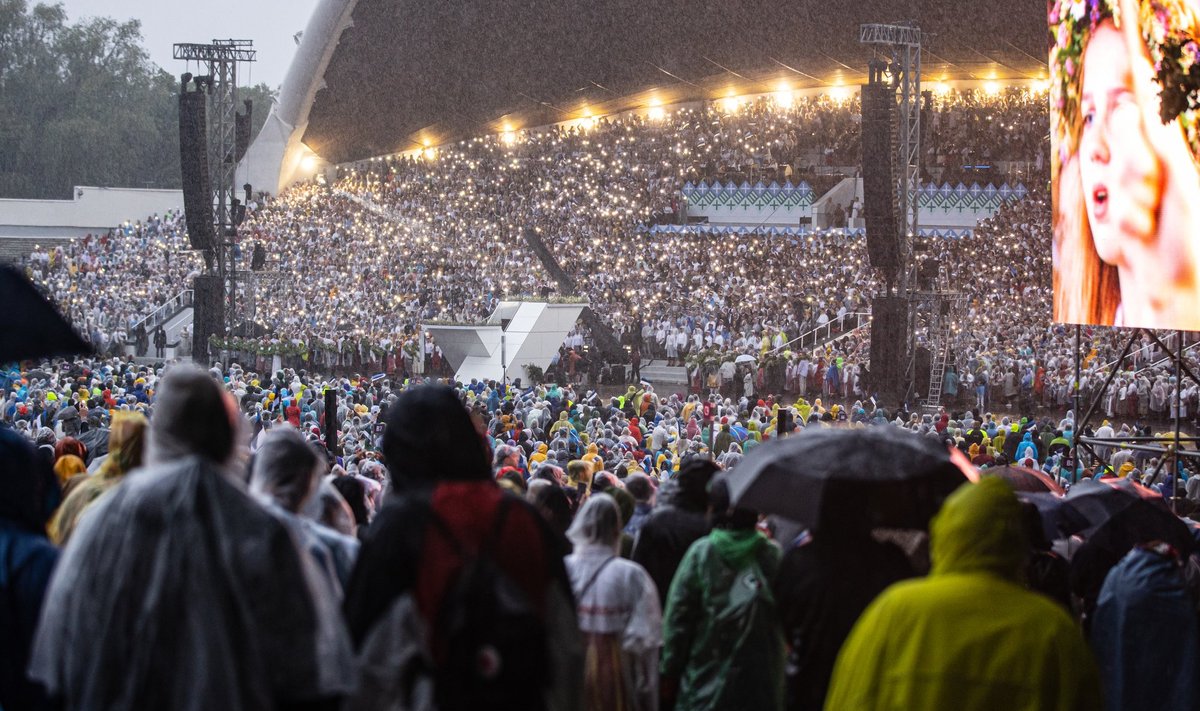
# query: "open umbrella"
[[1096, 501], [1118, 518], [1024, 478], [33, 328], [1056, 516], [745, 358], [899, 479]]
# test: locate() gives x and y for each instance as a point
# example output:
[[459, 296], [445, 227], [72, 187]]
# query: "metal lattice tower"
[[221, 59], [903, 42], [936, 303]]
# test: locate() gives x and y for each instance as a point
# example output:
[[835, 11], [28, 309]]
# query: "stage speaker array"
[[241, 132], [880, 201], [193, 159], [208, 314], [889, 344]]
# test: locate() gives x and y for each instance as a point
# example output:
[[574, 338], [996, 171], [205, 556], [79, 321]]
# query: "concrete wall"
[[91, 210]]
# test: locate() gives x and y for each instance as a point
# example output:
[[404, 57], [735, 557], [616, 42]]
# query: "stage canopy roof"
[[407, 73]]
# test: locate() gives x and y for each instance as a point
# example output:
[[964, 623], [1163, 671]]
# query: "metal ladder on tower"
[[940, 337], [939, 344]]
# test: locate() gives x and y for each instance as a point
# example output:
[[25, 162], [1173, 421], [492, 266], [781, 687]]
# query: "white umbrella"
[[745, 358]]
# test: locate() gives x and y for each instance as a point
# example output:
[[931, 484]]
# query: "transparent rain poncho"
[[179, 591]]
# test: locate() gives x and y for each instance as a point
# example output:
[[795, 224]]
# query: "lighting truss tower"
[[930, 306], [903, 43], [221, 59]]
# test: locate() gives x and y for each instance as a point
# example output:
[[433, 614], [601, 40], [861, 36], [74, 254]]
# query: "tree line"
[[82, 104]]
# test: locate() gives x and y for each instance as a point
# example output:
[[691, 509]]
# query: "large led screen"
[[1124, 100]]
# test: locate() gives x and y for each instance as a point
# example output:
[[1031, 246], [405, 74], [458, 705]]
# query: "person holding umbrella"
[[823, 585]]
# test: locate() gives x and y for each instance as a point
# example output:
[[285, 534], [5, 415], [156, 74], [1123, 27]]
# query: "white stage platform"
[[532, 336]]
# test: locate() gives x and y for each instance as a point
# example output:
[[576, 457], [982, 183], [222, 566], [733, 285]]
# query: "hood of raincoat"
[[126, 444], [192, 417], [430, 438], [736, 546], [285, 470], [979, 530]]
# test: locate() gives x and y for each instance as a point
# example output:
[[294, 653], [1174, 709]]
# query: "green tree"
[[81, 104]]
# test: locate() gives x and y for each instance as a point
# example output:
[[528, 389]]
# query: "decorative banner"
[[768, 232], [932, 197]]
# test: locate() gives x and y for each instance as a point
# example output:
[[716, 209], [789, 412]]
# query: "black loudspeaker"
[[889, 344], [922, 361], [880, 206], [331, 422], [259, 257], [928, 273], [241, 132], [208, 315], [193, 160]]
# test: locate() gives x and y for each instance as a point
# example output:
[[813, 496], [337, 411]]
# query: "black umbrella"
[[897, 478], [1095, 501], [1121, 515], [33, 328]]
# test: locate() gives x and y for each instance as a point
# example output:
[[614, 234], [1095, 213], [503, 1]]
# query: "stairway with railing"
[[818, 337], [1170, 340], [174, 315]]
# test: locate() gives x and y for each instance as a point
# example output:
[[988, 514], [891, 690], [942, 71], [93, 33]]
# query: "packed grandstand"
[[364, 259], [707, 501]]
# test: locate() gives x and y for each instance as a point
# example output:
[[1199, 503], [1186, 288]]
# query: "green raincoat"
[[968, 637], [721, 631]]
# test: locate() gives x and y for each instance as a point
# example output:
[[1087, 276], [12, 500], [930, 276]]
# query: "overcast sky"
[[270, 23]]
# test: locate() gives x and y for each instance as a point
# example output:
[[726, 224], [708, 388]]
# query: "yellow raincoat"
[[968, 637]]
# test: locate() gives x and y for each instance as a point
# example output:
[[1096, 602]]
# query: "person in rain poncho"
[[823, 585], [969, 636], [286, 478], [28, 494], [126, 449], [1026, 448], [722, 642], [618, 611], [444, 505], [227, 615], [1144, 633]]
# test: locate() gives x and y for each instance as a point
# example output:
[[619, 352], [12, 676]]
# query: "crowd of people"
[[438, 236], [348, 528], [108, 283], [476, 545], [356, 267]]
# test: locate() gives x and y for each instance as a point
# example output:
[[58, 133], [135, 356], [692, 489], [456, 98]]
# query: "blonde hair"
[[1086, 289]]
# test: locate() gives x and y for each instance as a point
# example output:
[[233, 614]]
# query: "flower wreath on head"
[[1168, 29], [1173, 49], [1071, 23]]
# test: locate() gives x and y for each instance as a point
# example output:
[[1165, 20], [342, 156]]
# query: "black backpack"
[[493, 638]]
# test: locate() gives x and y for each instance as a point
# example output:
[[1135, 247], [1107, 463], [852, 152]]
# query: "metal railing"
[[165, 311], [819, 347], [1169, 341], [821, 335]]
